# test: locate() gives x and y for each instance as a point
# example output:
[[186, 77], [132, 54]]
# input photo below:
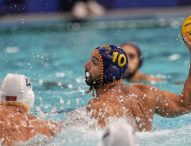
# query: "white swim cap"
[[17, 90], [118, 134]]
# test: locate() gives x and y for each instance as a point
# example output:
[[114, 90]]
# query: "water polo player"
[[135, 59], [16, 123], [137, 102]]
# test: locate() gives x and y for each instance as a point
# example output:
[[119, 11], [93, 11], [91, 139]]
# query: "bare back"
[[132, 102], [18, 126], [139, 102]]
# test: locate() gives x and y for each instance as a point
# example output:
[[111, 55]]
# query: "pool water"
[[54, 61]]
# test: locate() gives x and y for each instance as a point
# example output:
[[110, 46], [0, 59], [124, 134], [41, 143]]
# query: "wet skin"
[[17, 125], [137, 101]]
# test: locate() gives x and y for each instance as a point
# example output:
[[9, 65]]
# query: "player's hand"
[[187, 42]]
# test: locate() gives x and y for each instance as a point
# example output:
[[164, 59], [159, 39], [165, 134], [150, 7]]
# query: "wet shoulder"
[[144, 88], [93, 103], [141, 93]]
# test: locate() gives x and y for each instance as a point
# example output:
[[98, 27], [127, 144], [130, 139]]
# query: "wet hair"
[[138, 50]]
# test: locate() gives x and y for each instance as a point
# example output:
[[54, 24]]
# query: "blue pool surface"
[[54, 62]]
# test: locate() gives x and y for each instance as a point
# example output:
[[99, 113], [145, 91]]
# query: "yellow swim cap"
[[186, 28]]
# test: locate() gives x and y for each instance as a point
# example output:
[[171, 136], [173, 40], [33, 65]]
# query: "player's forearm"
[[187, 91], [187, 87]]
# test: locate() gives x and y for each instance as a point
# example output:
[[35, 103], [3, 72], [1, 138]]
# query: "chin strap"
[[93, 90]]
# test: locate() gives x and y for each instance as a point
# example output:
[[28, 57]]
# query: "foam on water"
[[79, 129], [174, 137], [80, 118]]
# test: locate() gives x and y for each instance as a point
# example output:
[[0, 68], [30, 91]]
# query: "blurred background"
[[50, 41], [32, 6]]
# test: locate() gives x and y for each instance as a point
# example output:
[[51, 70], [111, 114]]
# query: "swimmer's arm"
[[165, 103], [53, 128], [48, 128], [171, 105]]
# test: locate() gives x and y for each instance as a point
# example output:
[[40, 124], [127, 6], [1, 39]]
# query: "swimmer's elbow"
[[172, 112], [168, 114]]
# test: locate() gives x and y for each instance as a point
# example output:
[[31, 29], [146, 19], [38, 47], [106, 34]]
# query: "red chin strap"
[[11, 98]]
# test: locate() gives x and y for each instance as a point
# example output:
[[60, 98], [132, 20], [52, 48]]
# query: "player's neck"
[[137, 76], [106, 87]]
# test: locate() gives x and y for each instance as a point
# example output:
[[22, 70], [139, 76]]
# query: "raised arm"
[[44, 127], [169, 104], [187, 87]]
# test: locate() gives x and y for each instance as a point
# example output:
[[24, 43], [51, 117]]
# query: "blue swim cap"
[[114, 62]]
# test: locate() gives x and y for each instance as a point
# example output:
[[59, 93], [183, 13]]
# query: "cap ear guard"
[[114, 62]]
